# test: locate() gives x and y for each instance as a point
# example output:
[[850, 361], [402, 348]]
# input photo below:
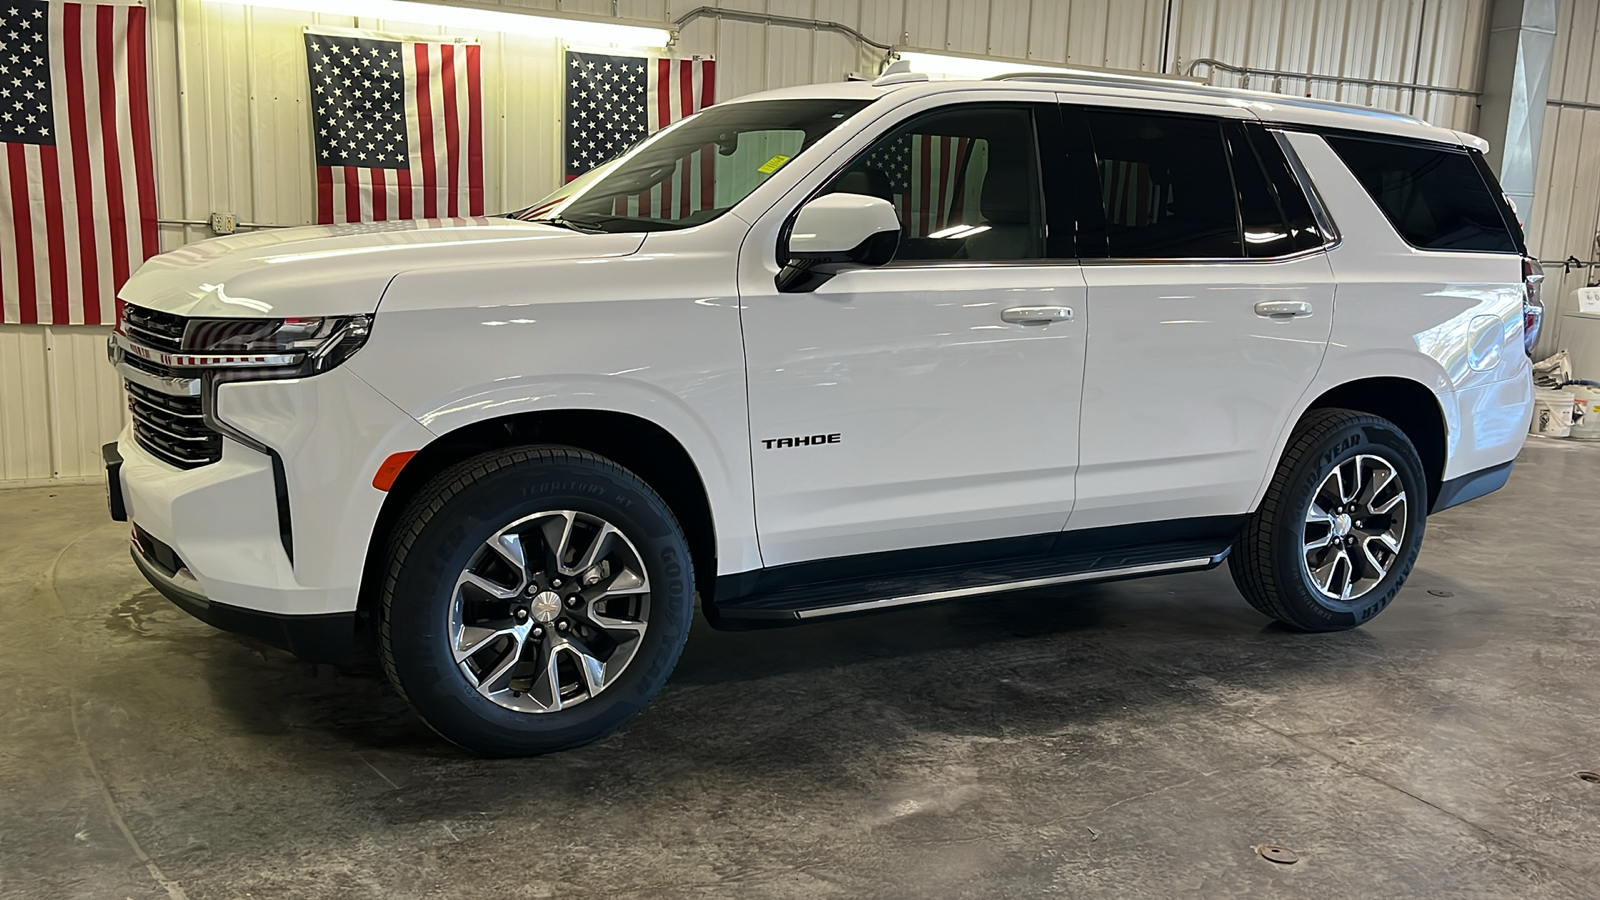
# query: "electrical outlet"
[[224, 223]]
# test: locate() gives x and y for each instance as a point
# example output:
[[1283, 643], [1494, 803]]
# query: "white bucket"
[[1552, 413], [1586, 421]]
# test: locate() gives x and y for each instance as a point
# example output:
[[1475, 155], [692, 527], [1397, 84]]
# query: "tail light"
[[1532, 303]]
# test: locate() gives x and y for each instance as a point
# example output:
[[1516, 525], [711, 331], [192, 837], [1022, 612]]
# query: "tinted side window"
[[1303, 226], [1433, 196], [964, 180], [1166, 187], [1265, 232]]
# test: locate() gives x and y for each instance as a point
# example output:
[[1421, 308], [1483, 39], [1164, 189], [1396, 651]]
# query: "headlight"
[[310, 345]]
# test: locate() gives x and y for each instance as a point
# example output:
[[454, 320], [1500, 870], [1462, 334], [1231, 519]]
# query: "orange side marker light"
[[390, 470]]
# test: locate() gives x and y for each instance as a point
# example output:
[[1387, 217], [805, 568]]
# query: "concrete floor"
[[1127, 740]]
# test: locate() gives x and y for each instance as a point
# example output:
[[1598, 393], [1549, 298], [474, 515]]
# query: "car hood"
[[342, 269]]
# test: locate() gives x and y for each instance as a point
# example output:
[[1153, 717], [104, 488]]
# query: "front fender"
[[655, 336], [532, 394], [724, 475]]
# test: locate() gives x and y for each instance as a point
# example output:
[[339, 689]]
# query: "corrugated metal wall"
[[1429, 42], [1566, 211], [58, 401], [231, 117]]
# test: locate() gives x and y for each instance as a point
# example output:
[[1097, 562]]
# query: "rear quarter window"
[[1434, 196]]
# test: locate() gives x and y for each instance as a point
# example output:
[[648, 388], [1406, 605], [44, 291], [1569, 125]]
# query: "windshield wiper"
[[632, 224], [570, 224]]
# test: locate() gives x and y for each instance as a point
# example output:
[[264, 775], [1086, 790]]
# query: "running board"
[[843, 598]]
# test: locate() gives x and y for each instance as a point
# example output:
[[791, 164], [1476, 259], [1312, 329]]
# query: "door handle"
[[1283, 309], [1036, 315]]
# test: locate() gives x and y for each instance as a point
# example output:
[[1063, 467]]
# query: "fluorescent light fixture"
[[481, 18], [953, 66]]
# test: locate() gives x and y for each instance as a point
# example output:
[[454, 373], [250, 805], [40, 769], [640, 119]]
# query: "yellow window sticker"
[[773, 164]]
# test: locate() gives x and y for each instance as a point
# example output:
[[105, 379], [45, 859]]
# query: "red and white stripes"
[[939, 172], [677, 88], [81, 215], [1131, 197], [444, 125]]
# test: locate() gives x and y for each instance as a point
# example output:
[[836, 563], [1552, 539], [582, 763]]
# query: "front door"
[[934, 400]]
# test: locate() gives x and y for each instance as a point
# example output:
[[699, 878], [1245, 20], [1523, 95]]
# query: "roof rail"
[[1186, 86], [1089, 76]]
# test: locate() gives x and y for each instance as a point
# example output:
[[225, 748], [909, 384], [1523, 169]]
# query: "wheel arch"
[[638, 444], [1410, 405]]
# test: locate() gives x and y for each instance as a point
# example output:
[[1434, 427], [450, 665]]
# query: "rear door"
[[1211, 305]]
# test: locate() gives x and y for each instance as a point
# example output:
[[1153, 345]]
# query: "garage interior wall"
[[229, 94], [1566, 212]]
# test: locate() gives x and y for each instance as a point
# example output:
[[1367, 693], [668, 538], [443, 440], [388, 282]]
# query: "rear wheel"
[[1340, 527], [537, 598]]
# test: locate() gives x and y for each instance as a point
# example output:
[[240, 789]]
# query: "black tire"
[[1269, 562], [439, 535]]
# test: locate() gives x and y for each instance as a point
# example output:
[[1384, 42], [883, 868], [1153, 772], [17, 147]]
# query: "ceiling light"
[[592, 32]]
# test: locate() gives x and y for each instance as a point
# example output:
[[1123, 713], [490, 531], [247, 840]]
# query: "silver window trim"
[[1205, 260], [1319, 210]]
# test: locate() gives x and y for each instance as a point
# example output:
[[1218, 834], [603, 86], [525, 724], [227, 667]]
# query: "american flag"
[[77, 189], [397, 126], [613, 102], [1131, 197], [929, 175]]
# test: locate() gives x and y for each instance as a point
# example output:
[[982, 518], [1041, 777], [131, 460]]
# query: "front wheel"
[[536, 599], [1340, 527]]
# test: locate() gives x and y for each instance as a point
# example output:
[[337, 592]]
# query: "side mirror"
[[845, 228]]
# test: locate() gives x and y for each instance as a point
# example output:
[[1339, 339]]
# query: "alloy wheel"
[[1355, 526], [549, 611]]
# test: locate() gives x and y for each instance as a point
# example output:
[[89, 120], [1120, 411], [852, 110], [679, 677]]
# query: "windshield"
[[695, 170]]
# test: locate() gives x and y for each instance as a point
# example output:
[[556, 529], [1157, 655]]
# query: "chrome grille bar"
[[163, 400]]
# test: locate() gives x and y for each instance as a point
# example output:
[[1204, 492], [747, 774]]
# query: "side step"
[[841, 598]]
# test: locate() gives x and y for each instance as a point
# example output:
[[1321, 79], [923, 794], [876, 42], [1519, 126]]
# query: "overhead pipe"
[[761, 18], [1250, 72], [1573, 104]]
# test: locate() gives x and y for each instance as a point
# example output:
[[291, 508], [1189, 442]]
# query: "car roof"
[[1304, 112]]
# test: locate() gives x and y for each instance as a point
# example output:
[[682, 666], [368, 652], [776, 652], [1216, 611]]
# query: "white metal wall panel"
[[234, 76], [87, 399], [1566, 212], [790, 51], [1432, 42], [1047, 31], [1008, 28], [58, 402], [1575, 71], [25, 407], [835, 52], [967, 26], [881, 20], [1086, 33], [925, 22]]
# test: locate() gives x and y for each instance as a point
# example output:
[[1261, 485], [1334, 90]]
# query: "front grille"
[[172, 428], [153, 367], [158, 330]]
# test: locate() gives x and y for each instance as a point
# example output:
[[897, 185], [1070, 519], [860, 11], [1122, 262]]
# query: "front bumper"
[[271, 544], [328, 638]]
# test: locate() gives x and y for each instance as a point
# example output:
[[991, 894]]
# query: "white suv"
[[824, 351]]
